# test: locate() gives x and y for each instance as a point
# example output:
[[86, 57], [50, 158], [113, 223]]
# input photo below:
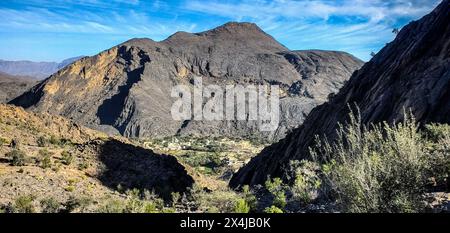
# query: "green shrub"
[[42, 141], [24, 204], [241, 206], [18, 157], [249, 197], [218, 201], [67, 158], [50, 205], [306, 180], [112, 206], [381, 169], [3, 141], [77, 204], [278, 190], [273, 210], [45, 158], [83, 165], [54, 140]]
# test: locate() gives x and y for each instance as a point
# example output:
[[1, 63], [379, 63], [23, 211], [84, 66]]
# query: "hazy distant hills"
[[126, 89], [13, 86], [37, 70]]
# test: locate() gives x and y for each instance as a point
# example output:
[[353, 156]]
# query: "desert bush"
[[381, 169], [54, 140], [83, 165], [50, 205], [78, 204], [67, 157], [24, 204], [18, 157], [306, 178], [42, 141], [218, 201], [241, 206], [249, 197], [3, 141], [45, 158], [112, 205], [438, 147], [278, 189], [135, 202], [273, 210]]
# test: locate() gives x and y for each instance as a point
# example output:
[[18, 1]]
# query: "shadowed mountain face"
[[13, 86], [126, 89], [412, 72], [34, 70]]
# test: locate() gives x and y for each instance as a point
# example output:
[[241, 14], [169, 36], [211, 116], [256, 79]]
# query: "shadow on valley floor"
[[132, 167]]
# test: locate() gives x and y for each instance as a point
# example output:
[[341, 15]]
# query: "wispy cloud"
[[355, 26]]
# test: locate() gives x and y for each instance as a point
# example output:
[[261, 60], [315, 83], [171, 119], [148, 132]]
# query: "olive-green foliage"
[[249, 198], [45, 158], [18, 157], [42, 141], [218, 201], [3, 141], [78, 204], [210, 161], [136, 202], [273, 210], [306, 180], [241, 206], [50, 205], [278, 190], [67, 157], [24, 204], [383, 168]]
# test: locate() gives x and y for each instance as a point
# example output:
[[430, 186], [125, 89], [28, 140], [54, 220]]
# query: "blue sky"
[[45, 30]]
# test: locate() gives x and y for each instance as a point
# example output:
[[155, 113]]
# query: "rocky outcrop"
[[126, 89], [13, 86], [412, 73]]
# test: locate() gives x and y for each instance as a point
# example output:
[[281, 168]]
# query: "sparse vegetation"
[[50, 205], [24, 204], [67, 157], [278, 190], [18, 157], [45, 158], [42, 141], [241, 206]]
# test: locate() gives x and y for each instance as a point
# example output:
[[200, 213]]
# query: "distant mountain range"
[[13, 86], [127, 89], [37, 70]]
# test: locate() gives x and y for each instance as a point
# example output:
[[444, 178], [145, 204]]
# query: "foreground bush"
[[384, 168]]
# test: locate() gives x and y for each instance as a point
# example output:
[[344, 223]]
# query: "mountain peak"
[[235, 28]]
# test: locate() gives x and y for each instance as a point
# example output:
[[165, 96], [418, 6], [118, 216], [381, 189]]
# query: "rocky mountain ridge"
[[126, 89]]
